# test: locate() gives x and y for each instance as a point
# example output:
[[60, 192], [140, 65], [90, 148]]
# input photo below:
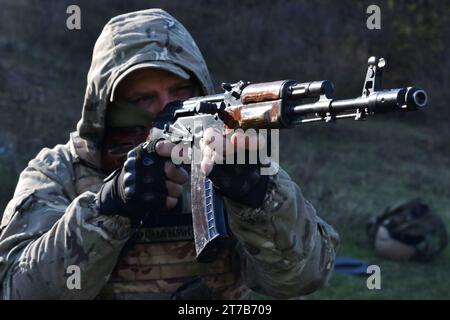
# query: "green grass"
[[399, 280], [351, 171]]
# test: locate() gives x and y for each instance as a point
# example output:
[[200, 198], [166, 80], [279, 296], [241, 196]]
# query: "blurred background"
[[349, 170]]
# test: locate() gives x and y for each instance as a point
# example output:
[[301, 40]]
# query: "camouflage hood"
[[147, 36]]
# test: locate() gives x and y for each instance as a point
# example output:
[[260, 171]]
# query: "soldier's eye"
[[183, 92], [144, 99], [144, 102]]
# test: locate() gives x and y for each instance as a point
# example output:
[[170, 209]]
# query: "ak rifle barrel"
[[403, 99]]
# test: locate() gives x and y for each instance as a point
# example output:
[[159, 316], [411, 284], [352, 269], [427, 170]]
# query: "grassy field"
[[352, 170]]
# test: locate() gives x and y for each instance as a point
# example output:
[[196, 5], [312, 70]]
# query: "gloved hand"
[[147, 182], [242, 183]]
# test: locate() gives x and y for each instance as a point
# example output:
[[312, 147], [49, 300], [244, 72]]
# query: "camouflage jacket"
[[282, 249]]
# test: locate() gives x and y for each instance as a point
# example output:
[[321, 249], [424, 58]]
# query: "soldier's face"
[[150, 90], [153, 89]]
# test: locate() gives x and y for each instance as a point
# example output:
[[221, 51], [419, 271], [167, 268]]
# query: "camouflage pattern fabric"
[[282, 249], [413, 223]]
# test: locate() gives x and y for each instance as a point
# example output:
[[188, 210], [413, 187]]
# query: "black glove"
[[242, 183], [138, 188]]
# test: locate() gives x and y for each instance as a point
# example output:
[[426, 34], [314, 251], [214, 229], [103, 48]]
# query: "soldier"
[[65, 213]]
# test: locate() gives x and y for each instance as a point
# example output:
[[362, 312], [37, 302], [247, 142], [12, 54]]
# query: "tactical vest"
[[160, 262]]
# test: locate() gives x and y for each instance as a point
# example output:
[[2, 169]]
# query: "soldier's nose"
[[165, 100]]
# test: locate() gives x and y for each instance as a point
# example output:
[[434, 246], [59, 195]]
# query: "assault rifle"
[[279, 104]]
